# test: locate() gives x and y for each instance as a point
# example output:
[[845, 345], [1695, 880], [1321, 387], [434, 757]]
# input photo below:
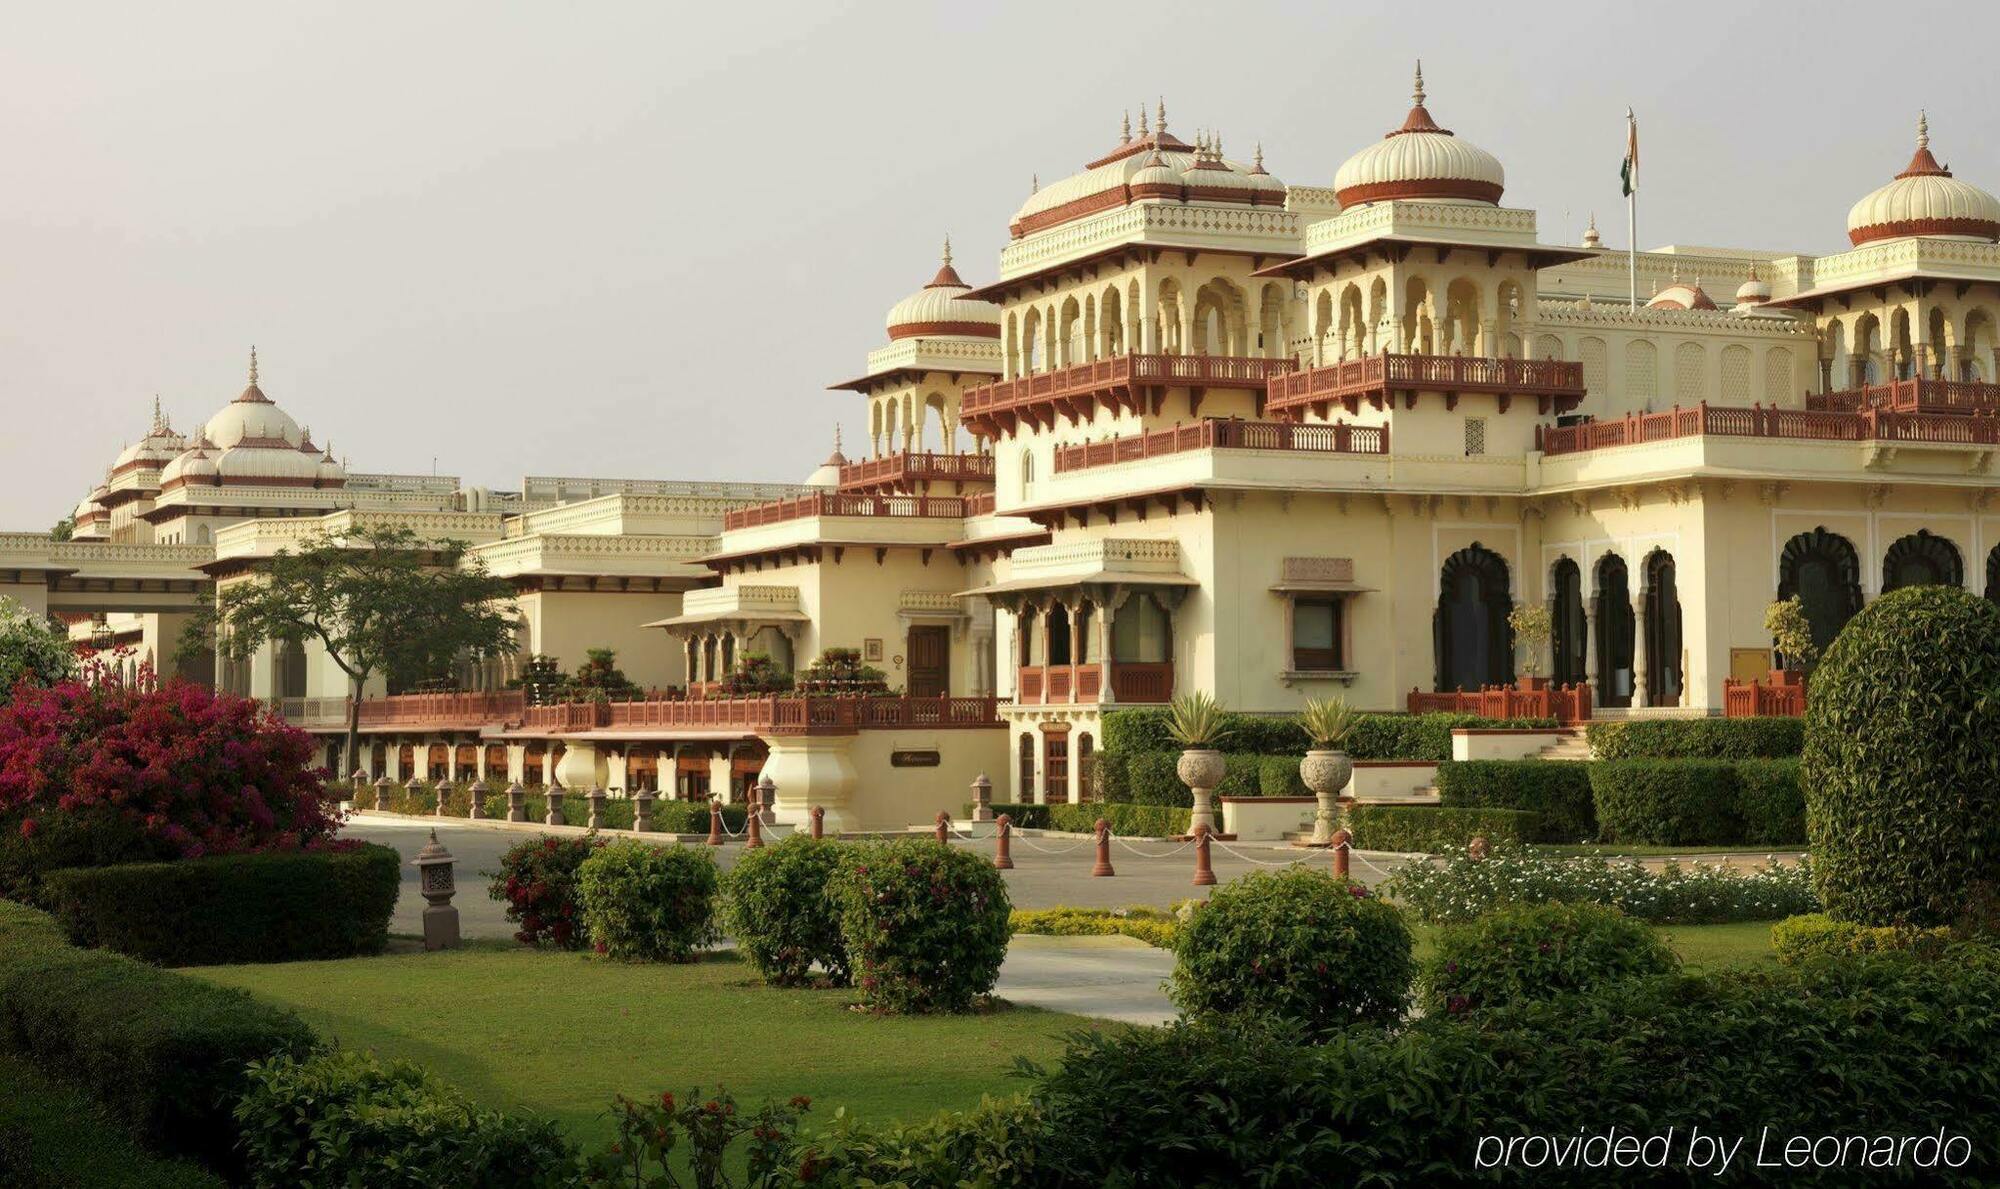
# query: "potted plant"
[[1327, 766], [1791, 640], [1532, 629], [1195, 722]]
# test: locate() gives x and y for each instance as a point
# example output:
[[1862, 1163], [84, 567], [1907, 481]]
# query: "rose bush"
[[112, 773], [925, 925], [537, 881]]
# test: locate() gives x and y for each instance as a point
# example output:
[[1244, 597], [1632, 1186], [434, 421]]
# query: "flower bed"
[[1462, 888]]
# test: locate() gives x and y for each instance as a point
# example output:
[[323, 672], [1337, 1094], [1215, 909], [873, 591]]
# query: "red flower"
[[28, 827], [801, 1102], [667, 1100]]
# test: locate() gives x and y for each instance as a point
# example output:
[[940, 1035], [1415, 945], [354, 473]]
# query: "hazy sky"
[[639, 239]]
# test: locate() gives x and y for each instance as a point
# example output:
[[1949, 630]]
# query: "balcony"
[[1912, 396], [1056, 685], [909, 469], [1556, 385], [1869, 425], [1226, 435], [836, 503], [781, 714], [1136, 383]]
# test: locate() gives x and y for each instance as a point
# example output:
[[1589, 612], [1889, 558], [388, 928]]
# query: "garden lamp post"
[[437, 883]]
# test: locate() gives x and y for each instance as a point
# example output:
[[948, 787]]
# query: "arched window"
[[1615, 632], [292, 670], [1027, 470], [1059, 651], [1474, 646], [1024, 634], [1663, 631], [1921, 559], [1823, 570], [1141, 632], [1568, 623]]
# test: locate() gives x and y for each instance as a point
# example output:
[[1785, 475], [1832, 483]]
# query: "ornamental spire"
[[253, 365], [1125, 127], [1417, 96], [159, 420], [1923, 129], [1142, 122], [947, 251], [1161, 121], [1258, 159]]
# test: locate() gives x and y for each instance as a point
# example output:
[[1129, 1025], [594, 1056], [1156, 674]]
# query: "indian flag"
[[1628, 173]]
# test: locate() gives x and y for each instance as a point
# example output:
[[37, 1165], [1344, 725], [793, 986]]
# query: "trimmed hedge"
[[1771, 802], [1557, 792], [1697, 738], [164, 1053], [233, 908], [51, 1135], [1902, 760], [1875, 1046], [342, 1118], [1817, 935], [1667, 802], [1435, 829], [647, 903], [783, 917], [1149, 925], [1021, 817], [1132, 821]]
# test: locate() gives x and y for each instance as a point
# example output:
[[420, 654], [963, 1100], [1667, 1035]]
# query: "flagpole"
[[1632, 207]]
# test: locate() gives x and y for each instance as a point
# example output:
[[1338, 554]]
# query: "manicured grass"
[[54, 1135], [563, 1033], [1701, 947]]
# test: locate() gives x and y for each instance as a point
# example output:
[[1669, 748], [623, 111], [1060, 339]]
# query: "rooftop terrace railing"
[[1912, 396], [841, 503], [1373, 377], [1226, 435], [1868, 425]]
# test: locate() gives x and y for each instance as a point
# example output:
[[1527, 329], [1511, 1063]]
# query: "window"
[[1475, 436], [1316, 635], [1139, 633]]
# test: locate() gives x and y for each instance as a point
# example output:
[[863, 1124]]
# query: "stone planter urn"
[[1325, 772], [1201, 769]]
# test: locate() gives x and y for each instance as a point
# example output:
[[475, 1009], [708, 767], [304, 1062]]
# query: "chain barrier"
[[1230, 850], [1164, 854], [1021, 841]]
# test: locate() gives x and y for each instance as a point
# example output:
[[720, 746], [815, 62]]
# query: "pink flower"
[[28, 827]]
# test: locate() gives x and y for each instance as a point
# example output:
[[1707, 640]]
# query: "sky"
[[638, 240]]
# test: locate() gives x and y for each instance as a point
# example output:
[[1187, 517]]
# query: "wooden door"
[[930, 661]]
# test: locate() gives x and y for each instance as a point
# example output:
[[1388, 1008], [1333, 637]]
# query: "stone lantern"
[[982, 798], [437, 884]]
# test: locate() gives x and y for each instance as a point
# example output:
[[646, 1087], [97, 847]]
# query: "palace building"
[[1202, 429]]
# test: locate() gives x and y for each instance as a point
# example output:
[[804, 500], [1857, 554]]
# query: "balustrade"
[[1875, 424], [1227, 435], [1131, 681]]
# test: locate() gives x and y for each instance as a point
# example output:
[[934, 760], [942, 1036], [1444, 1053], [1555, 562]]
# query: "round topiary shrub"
[[647, 903], [537, 879], [782, 914], [1536, 952], [925, 925], [1901, 768], [1297, 943]]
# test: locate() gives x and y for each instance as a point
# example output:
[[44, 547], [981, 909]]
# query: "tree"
[[1791, 634], [31, 649], [380, 600], [64, 529], [1532, 627]]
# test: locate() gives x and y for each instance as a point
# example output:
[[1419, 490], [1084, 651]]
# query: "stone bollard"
[[982, 798], [766, 800], [642, 811], [554, 817], [1204, 875], [1341, 846], [478, 791], [437, 884], [517, 803], [755, 820], [818, 821], [715, 821], [595, 800], [1003, 844], [383, 796], [415, 793], [443, 798], [1477, 849], [1103, 866], [944, 827]]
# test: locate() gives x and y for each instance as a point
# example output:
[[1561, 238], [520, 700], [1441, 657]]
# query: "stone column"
[[1591, 613], [1101, 613], [1641, 662], [517, 763]]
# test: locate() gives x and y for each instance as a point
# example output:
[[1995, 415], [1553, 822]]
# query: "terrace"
[[1131, 681], [840, 503], [781, 714], [1912, 396], [908, 469], [1867, 425], [1132, 382], [1553, 383], [1226, 435]]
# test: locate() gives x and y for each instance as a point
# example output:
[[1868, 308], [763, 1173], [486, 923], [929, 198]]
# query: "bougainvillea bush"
[[924, 924], [94, 774], [537, 881]]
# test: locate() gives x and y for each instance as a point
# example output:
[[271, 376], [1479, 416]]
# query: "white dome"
[[941, 308], [250, 463], [252, 418], [1420, 161], [1108, 181], [1926, 200], [827, 474], [331, 472], [159, 445], [1680, 296], [1754, 291], [197, 465]]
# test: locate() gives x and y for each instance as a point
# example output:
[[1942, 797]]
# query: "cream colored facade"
[[1204, 430]]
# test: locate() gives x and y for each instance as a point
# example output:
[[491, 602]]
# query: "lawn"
[[562, 1033]]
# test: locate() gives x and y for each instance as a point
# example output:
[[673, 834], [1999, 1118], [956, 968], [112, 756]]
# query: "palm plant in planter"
[[1326, 769], [1791, 639], [1532, 627], [1195, 722]]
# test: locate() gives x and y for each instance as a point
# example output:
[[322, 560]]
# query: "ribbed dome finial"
[[253, 365], [1142, 121], [1923, 129], [1417, 95], [1125, 127], [947, 251], [1161, 121]]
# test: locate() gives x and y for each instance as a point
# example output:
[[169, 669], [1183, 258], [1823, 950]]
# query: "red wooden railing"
[[779, 714], [1100, 375], [1754, 699], [1912, 396], [1869, 425], [913, 467], [979, 504], [1564, 703], [840, 503], [1131, 681], [1226, 435], [1373, 375], [419, 710]]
